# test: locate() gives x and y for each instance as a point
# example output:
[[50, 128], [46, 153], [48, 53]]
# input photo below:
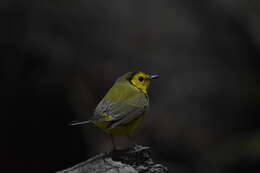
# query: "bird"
[[124, 106]]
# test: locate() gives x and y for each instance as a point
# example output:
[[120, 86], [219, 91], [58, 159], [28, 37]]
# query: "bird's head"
[[141, 80]]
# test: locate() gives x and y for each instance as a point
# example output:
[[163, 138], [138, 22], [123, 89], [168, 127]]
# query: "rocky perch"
[[132, 160]]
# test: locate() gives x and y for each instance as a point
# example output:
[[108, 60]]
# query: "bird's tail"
[[80, 123]]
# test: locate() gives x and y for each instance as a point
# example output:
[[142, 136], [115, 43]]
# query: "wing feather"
[[125, 105]]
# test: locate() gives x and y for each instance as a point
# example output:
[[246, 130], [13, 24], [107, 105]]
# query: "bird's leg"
[[131, 140], [113, 142]]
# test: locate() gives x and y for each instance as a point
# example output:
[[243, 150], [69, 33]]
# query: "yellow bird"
[[124, 106]]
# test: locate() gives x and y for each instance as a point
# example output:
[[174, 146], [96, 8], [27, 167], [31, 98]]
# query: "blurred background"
[[60, 57]]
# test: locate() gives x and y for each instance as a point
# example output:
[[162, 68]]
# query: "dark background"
[[59, 58]]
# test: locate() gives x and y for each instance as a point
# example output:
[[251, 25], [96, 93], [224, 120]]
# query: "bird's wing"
[[123, 107]]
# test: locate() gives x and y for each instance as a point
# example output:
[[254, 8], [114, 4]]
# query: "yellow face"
[[141, 81]]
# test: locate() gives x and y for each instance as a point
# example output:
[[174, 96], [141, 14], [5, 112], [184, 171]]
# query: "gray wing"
[[121, 112]]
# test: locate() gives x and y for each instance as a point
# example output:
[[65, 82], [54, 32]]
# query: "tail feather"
[[80, 123]]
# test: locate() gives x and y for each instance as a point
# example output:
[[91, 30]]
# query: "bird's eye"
[[141, 79]]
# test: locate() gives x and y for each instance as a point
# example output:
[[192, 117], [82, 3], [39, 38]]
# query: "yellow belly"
[[125, 129]]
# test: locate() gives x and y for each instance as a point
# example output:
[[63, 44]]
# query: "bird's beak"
[[154, 76]]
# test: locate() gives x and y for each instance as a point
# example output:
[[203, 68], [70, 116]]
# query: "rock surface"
[[132, 160]]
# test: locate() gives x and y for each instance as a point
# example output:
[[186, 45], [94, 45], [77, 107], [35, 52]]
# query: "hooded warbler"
[[124, 106]]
